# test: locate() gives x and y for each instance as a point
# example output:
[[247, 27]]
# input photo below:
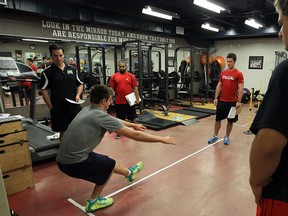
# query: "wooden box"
[[14, 156], [15, 159], [11, 127], [12, 138], [18, 180]]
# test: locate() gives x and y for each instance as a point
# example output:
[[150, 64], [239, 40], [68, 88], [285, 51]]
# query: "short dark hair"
[[122, 61], [232, 55], [30, 59], [99, 92], [55, 47]]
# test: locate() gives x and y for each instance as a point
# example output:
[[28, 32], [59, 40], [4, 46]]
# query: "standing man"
[[32, 65], [63, 82], [228, 94], [44, 63], [124, 83], [269, 150], [76, 157]]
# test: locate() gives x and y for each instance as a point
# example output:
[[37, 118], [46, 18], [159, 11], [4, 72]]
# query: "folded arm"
[[265, 156]]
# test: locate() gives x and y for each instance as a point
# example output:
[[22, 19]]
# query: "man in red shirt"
[[124, 83], [228, 94], [26, 86], [30, 63]]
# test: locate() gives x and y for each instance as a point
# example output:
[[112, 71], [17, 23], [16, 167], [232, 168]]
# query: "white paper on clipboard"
[[232, 113], [74, 102], [131, 99]]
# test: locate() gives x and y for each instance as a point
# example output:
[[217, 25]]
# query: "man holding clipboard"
[[124, 83], [228, 98]]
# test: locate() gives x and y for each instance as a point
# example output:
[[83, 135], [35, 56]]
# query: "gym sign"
[[85, 33]]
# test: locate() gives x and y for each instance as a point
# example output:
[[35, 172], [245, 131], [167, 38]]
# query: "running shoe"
[[134, 170], [226, 140], [99, 203], [213, 139]]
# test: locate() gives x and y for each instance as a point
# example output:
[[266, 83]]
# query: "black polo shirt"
[[273, 114], [62, 84]]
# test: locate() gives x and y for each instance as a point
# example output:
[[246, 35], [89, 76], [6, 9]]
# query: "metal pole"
[[32, 100], [140, 63], [2, 104], [77, 58], [150, 74], [89, 61], [104, 65], [166, 77], [191, 67], [115, 60]]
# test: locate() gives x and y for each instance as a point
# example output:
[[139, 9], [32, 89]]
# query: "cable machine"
[[97, 73], [192, 75]]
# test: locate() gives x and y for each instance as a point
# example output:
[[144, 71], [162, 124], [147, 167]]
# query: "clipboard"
[[74, 102], [131, 99], [233, 112]]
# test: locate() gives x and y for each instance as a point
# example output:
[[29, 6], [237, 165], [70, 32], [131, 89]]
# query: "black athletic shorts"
[[97, 168], [125, 110], [62, 114], [223, 109]]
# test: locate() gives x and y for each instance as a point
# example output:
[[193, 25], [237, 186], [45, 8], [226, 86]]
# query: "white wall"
[[244, 48]]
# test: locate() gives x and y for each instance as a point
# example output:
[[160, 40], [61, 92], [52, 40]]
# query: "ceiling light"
[[209, 5], [253, 23], [35, 40], [152, 11], [212, 27]]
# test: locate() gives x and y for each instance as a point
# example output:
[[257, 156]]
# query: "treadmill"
[[40, 145]]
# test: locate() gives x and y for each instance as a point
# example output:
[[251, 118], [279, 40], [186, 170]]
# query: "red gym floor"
[[189, 179]]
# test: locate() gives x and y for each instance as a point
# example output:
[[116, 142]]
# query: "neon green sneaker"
[[99, 203], [134, 170]]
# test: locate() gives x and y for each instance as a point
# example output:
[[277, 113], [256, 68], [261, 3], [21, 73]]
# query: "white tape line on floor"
[[79, 206]]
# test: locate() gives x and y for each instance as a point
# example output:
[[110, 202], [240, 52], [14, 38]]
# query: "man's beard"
[[122, 71]]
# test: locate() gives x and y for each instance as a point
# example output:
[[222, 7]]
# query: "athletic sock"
[[94, 200], [129, 172]]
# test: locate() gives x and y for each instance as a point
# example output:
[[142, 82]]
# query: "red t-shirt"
[[230, 81], [34, 67], [28, 84], [123, 84]]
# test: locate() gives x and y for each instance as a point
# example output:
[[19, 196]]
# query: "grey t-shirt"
[[84, 133]]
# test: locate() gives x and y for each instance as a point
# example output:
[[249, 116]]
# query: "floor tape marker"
[[149, 176], [79, 206]]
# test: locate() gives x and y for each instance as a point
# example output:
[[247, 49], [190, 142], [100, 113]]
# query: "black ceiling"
[[128, 14]]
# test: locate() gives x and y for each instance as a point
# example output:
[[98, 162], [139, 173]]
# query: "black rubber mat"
[[203, 110], [198, 115], [154, 123]]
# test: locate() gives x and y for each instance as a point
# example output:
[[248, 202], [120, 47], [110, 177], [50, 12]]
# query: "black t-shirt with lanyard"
[[273, 113]]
